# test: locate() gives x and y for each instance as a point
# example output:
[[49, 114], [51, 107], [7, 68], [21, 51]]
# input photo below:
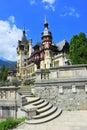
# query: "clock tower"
[[46, 44]]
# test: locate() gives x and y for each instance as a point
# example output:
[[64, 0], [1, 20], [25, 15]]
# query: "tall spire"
[[45, 23], [46, 32], [24, 39]]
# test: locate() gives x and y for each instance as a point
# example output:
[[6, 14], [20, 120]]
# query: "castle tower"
[[46, 43], [22, 52]]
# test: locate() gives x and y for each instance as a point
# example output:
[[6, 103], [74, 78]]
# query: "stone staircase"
[[25, 91], [45, 111]]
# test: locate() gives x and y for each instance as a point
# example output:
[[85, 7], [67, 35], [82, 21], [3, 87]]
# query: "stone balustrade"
[[9, 101], [65, 86], [72, 71]]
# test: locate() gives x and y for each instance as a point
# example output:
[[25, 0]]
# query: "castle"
[[44, 54], [57, 80], [63, 84]]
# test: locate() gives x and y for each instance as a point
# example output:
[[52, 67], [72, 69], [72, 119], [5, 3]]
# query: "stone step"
[[20, 90], [29, 95], [49, 106], [46, 113], [33, 99], [25, 91], [45, 119], [45, 110], [25, 88], [42, 105], [38, 102]]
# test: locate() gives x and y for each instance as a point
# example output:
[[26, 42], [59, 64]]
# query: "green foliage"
[[78, 49], [32, 81], [46, 70], [69, 109], [3, 73], [33, 74], [33, 95], [10, 123]]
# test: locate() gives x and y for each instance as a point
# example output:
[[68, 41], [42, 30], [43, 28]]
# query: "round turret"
[[46, 36]]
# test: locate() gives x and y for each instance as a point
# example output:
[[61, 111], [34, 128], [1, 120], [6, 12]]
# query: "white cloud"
[[12, 19], [49, 4], [70, 11], [63, 15], [77, 15], [32, 2], [9, 36], [49, 1]]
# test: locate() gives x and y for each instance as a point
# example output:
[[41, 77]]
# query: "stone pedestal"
[[30, 111]]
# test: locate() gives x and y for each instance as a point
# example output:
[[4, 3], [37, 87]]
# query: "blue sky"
[[65, 18]]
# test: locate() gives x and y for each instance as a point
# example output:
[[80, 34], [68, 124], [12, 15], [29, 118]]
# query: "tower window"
[[45, 65]]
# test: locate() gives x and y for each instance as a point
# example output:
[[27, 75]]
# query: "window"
[[37, 56], [56, 63]]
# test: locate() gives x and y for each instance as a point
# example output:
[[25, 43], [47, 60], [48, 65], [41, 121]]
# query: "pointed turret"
[[46, 35], [45, 23], [46, 32], [24, 39], [46, 44]]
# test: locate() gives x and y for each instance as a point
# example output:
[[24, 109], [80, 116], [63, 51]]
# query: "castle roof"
[[62, 44]]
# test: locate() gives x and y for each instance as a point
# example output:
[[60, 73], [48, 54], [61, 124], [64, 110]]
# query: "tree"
[[3, 73], [78, 49]]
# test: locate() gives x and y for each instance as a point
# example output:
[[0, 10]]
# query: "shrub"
[[33, 95], [32, 82], [33, 74], [10, 123], [46, 70]]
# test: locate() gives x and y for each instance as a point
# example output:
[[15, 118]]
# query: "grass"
[[10, 123], [33, 95]]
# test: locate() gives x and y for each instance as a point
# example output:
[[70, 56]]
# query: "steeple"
[[45, 23], [24, 39], [46, 32]]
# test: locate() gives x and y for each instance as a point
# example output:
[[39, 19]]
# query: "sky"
[[65, 18]]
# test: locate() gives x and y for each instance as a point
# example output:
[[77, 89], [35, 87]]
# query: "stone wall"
[[67, 90], [9, 101], [65, 97]]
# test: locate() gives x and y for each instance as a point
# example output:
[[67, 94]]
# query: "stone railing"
[[64, 86], [8, 102], [63, 72]]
